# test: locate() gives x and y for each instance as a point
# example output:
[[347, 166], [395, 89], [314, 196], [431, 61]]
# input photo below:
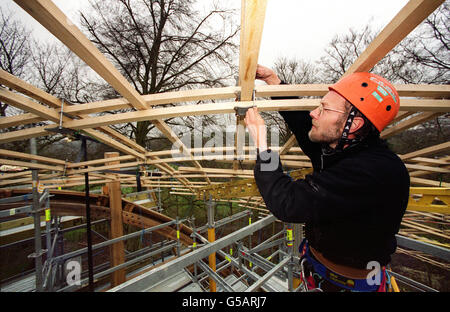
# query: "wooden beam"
[[216, 170], [123, 139], [252, 22], [45, 113], [427, 168], [226, 108], [425, 105], [439, 148], [411, 15], [36, 93], [427, 182], [221, 158], [409, 123], [432, 161], [157, 99], [99, 161], [17, 120], [13, 154], [25, 88], [115, 205], [252, 15], [105, 167], [287, 146], [30, 165], [28, 105], [189, 110], [404, 90]]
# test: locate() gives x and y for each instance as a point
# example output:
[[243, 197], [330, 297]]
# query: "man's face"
[[328, 120]]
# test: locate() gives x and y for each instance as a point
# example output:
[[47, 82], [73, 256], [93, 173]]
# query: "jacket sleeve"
[[288, 200]]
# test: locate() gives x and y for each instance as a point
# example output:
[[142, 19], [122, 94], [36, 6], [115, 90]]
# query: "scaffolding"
[[235, 262], [241, 265]]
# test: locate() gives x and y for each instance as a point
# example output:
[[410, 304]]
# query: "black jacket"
[[353, 202]]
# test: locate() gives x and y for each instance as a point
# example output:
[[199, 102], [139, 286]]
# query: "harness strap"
[[348, 124], [338, 279]]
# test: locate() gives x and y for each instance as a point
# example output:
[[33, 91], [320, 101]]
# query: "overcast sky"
[[294, 28]]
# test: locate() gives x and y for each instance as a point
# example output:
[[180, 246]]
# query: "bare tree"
[[14, 48], [424, 56], [163, 45], [342, 52], [49, 61], [296, 71], [56, 70]]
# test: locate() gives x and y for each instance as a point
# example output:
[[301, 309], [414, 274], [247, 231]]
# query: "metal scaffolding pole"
[[211, 238], [88, 219], [145, 280], [37, 255], [268, 275]]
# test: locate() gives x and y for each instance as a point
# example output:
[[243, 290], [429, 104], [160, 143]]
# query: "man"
[[353, 202]]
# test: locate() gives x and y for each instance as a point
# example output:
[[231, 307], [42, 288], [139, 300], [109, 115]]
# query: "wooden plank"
[[157, 99], [441, 161], [401, 115], [443, 147], [50, 114], [17, 120], [427, 168], [421, 227], [218, 108], [287, 146], [425, 105], [427, 182], [220, 158], [411, 15], [252, 22], [189, 110], [409, 123], [105, 167], [30, 165], [421, 90], [115, 204], [28, 105], [404, 90], [99, 161], [216, 170], [253, 12], [25, 88], [44, 97], [13, 154]]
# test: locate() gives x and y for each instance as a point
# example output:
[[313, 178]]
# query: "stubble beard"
[[328, 137]]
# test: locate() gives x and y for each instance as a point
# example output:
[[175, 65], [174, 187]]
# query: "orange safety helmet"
[[374, 96]]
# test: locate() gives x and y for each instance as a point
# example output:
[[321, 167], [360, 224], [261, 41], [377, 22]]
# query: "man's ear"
[[357, 123]]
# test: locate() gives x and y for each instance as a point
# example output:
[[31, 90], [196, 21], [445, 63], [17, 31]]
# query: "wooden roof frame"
[[428, 101]]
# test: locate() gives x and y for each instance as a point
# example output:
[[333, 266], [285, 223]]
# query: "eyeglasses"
[[321, 109]]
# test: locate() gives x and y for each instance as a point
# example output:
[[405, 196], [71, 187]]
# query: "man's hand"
[[256, 128], [267, 75]]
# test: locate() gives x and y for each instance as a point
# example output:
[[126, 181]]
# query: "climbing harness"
[[314, 273]]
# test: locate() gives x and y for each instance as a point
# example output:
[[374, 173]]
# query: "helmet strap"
[[345, 133]]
